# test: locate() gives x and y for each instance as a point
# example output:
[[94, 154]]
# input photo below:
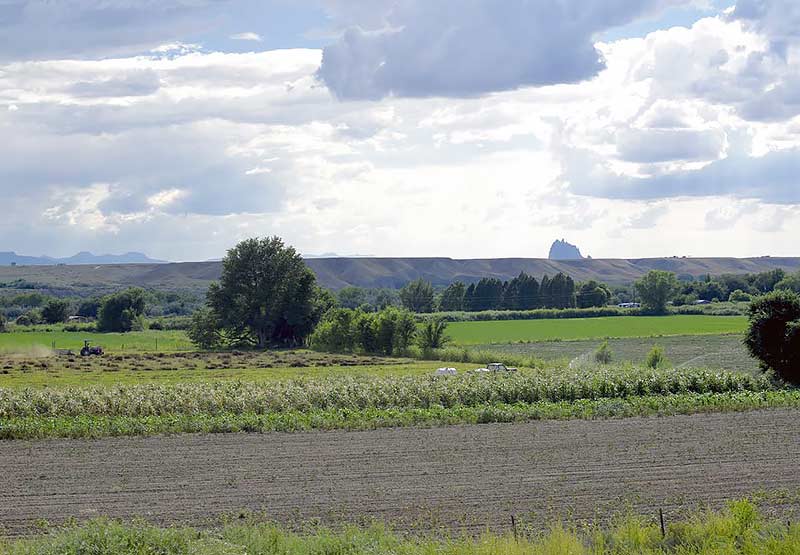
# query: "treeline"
[[734, 287], [522, 293], [31, 305]]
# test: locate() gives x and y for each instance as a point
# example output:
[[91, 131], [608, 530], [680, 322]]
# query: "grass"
[[478, 333], [739, 529], [151, 340], [715, 352]]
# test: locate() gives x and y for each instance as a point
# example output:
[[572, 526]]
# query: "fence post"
[[663, 527], [514, 527]]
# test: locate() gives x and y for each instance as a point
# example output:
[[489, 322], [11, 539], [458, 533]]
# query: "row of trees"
[[120, 312], [524, 292], [735, 287]]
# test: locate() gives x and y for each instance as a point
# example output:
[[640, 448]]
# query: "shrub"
[[603, 354], [2, 322], [30, 318], [773, 335], [55, 311], [433, 335], [204, 331], [122, 312], [740, 296], [656, 358]]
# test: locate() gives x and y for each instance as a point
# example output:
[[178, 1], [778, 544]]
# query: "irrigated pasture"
[[505, 331], [136, 341], [716, 352], [458, 477]]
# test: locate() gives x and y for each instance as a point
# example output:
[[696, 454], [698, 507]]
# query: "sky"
[[457, 128]]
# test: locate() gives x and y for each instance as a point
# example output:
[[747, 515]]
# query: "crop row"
[[358, 393]]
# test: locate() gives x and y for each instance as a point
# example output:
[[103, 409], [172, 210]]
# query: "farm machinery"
[[88, 350]]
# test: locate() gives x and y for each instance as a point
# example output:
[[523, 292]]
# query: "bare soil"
[[459, 477]]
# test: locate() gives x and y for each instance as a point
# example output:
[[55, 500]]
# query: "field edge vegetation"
[[739, 528]]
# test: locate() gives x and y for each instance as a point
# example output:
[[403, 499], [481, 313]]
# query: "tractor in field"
[[88, 350]]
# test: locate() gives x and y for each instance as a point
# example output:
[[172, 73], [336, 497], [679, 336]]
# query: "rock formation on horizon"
[[561, 250]]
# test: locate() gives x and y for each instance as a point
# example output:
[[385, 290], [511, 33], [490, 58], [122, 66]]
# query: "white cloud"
[[255, 37]]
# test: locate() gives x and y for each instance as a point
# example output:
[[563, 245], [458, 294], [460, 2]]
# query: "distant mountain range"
[[12, 258]]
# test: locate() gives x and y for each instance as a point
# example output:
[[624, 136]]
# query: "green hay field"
[[513, 331]]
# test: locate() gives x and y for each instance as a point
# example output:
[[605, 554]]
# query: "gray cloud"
[[37, 29], [779, 20], [470, 47], [141, 163], [649, 146], [773, 178], [136, 83]]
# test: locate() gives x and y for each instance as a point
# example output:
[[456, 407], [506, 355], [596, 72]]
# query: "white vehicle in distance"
[[446, 372], [495, 367]]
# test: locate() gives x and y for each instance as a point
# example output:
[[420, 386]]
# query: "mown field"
[[716, 352], [43, 369], [512, 331], [19, 339]]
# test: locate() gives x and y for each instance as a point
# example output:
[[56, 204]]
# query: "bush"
[[122, 312], [433, 335], [204, 331], [773, 335], [656, 358], [55, 311], [2, 322], [740, 296], [30, 318], [603, 354], [342, 330]]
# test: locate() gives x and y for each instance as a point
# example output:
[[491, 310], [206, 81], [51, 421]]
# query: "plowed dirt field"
[[459, 477]]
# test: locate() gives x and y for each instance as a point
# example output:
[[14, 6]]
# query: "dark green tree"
[[488, 295], [89, 308], [656, 289], [789, 283], [765, 282], [351, 297], [2, 322], [773, 334], [417, 296], [122, 312], [55, 311], [469, 298], [592, 294], [266, 294], [453, 297]]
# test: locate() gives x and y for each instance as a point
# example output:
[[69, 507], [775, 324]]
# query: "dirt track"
[[457, 476]]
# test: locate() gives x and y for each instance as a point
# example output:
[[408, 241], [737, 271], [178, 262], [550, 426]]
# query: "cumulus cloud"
[[419, 48]]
